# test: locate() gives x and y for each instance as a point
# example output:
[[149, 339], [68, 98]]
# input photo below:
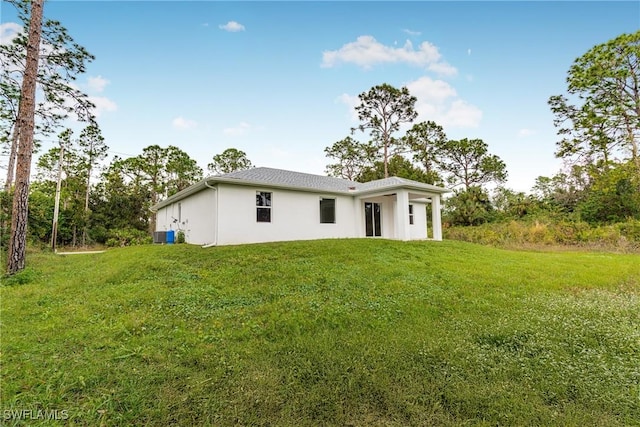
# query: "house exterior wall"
[[295, 215], [226, 215], [388, 215], [194, 215], [418, 230]]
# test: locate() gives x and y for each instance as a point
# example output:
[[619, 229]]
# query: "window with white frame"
[[263, 206], [411, 214], [327, 211]]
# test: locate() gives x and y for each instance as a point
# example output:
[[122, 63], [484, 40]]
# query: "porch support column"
[[436, 218], [402, 215], [358, 221]]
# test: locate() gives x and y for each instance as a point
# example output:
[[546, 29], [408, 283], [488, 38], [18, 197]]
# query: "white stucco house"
[[268, 205]]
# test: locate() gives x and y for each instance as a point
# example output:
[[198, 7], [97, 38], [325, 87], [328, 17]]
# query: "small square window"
[[263, 198], [327, 211], [263, 215]]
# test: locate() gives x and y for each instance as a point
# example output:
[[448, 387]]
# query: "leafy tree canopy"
[[230, 160], [352, 158], [601, 116], [468, 162], [381, 111], [400, 167]]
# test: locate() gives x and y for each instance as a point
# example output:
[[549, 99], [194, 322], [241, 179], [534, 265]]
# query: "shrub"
[[630, 230], [622, 236], [180, 237], [127, 237]]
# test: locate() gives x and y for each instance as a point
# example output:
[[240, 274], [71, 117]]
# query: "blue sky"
[[279, 80]]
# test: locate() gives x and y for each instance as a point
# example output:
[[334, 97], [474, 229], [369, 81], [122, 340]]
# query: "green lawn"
[[335, 332]]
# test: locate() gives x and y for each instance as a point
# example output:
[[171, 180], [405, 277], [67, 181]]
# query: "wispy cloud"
[[351, 101], [411, 33], [239, 130], [232, 26], [97, 84], [103, 105], [183, 124], [366, 51], [9, 31], [524, 133], [443, 69]]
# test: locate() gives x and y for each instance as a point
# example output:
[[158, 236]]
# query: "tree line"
[[598, 122], [423, 153], [108, 203]]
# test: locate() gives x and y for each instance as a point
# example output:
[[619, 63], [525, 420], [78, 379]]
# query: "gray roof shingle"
[[291, 179], [287, 178], [297, 180]]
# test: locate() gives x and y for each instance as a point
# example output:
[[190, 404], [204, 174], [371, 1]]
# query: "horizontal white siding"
[[295, 215]]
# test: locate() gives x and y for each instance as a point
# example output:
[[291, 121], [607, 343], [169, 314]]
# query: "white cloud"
[[432, 91], [523, 133], [437, 100], [103, 104], [183, 124], [443, 68], [9, 31], [232, 26], [366, 51], [239, 130], [97, 84], [461, 114]]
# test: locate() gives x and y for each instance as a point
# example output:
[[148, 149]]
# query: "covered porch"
[[400, 214]]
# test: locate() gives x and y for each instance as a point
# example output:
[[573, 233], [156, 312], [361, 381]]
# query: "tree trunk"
[[386, 160], [18, 239], [152, 217], [12, 157], [56, 207], [86, 207]]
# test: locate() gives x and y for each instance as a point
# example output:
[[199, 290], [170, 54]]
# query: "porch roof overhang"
[[415, 193]]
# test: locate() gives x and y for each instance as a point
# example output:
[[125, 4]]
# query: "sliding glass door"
[[372, 219]]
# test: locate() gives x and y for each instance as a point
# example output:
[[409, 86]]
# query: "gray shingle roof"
[[301, 181], [287, 178]]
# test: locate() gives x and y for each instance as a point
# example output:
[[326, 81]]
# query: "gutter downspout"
[[215, 230]]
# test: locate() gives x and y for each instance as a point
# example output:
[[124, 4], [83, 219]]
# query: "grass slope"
[[336, 332]]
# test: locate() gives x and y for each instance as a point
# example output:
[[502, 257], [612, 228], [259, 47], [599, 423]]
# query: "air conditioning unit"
[[159, 237]]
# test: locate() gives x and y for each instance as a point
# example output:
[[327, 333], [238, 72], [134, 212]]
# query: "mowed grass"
[[335, 332]]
